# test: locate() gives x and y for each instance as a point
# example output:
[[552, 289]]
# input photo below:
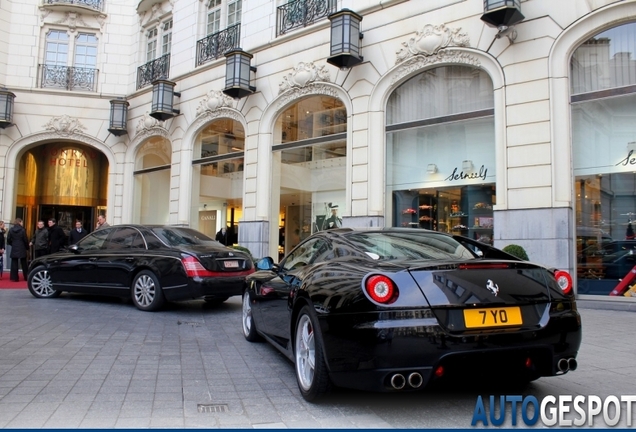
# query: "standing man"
[[221, 236], [19, 242], [40, 240], [101, 222], [77, 233], [332, 221], [57, 238]]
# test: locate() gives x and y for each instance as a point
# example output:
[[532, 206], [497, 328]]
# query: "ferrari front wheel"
[[311, 369]]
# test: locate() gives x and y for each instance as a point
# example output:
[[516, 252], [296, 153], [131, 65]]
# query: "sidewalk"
[[5, 283]]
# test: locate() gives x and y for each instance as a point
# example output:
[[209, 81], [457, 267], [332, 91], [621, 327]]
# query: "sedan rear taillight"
[[194, 268], [564, 280], [381, 289]]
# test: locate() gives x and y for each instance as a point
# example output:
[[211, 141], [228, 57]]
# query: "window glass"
[[440, 157], [305, 254], [309, 169], [151, 50], [218, 178], [124, 238], [86, 51], [166, 38], [183, 237], [233, 12], [95, 240], [57, 48], [603, 147], [214, 17]]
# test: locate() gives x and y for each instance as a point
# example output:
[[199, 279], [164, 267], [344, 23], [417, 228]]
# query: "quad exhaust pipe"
[[399, 381], [567, 364]]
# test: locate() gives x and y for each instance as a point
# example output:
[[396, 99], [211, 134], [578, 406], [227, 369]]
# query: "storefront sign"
[[629, 160], [71, 157], [483, 172]]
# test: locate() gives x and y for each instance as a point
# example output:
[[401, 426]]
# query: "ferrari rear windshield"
[[412, 245]]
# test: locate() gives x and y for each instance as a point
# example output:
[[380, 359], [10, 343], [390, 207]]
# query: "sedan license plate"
[[230, 264], [493, 317]]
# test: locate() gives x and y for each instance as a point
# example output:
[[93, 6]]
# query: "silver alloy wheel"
[[144, 290], [305, 352], [247, 314], [41, 284]]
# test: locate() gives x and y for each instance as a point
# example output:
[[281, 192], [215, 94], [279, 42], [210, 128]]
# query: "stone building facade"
[[510, 136]]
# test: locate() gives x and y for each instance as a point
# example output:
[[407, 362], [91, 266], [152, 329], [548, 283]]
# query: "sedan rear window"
[[182, 236], [412, 245]]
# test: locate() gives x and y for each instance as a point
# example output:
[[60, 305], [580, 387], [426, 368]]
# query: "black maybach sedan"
[[399, 309], [150, 264]]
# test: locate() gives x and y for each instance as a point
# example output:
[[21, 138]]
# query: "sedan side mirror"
[[74, 248], [266, 263]]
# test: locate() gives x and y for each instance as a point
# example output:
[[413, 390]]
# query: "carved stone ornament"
[[447, 56], [430, 40], [300, 92], [147, 123], [64, 126], [72, 20], [213, 100], [303, 74]]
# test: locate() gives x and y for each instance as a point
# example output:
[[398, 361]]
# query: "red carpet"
[[5, 283]]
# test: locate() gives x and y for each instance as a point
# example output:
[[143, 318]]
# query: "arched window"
[[440, 171], [217, 187], [308, 169], [603, 96], [152, 180]]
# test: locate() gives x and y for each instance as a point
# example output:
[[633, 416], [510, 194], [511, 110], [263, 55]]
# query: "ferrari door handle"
[[92, 259]]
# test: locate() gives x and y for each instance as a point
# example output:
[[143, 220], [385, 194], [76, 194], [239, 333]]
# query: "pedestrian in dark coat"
[[77, 233], [40, 240], [57, 238], [19, 242], [222, 236]]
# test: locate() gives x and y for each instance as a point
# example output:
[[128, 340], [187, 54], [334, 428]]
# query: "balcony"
[[301, 13], [153, 70], [76, 5], [68, 78], [216, 44]]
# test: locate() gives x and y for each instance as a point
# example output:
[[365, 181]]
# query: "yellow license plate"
[[493, 317]]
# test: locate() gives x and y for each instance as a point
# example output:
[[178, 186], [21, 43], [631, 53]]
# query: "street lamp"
[[118, 117], [6, 108], [345, 39], [162, 98], [237, 73]]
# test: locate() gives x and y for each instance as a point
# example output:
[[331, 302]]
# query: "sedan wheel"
[[146, 291], [249, 329], [311, 370], [40, 284]]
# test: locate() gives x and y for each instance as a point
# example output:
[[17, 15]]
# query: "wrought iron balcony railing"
[[68, 77], [301, 13], [153, 70], [97, 5], [215, 45]]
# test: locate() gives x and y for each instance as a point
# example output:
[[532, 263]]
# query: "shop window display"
[[603, 94]]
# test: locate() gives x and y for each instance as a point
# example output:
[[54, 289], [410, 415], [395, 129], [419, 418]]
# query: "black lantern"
[[6, 108], [162, 95], [345, 39], [118, 117], [237, 73], [502, 13]]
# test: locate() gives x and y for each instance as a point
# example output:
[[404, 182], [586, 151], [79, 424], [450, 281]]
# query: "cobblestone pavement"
[[89, 362]]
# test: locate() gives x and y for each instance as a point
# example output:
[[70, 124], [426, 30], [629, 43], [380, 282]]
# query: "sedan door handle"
[[129, 258], [92, 259]]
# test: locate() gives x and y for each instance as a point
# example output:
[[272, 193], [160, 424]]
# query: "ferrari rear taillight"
[[194, 268], [381, 289], [564, 280]]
